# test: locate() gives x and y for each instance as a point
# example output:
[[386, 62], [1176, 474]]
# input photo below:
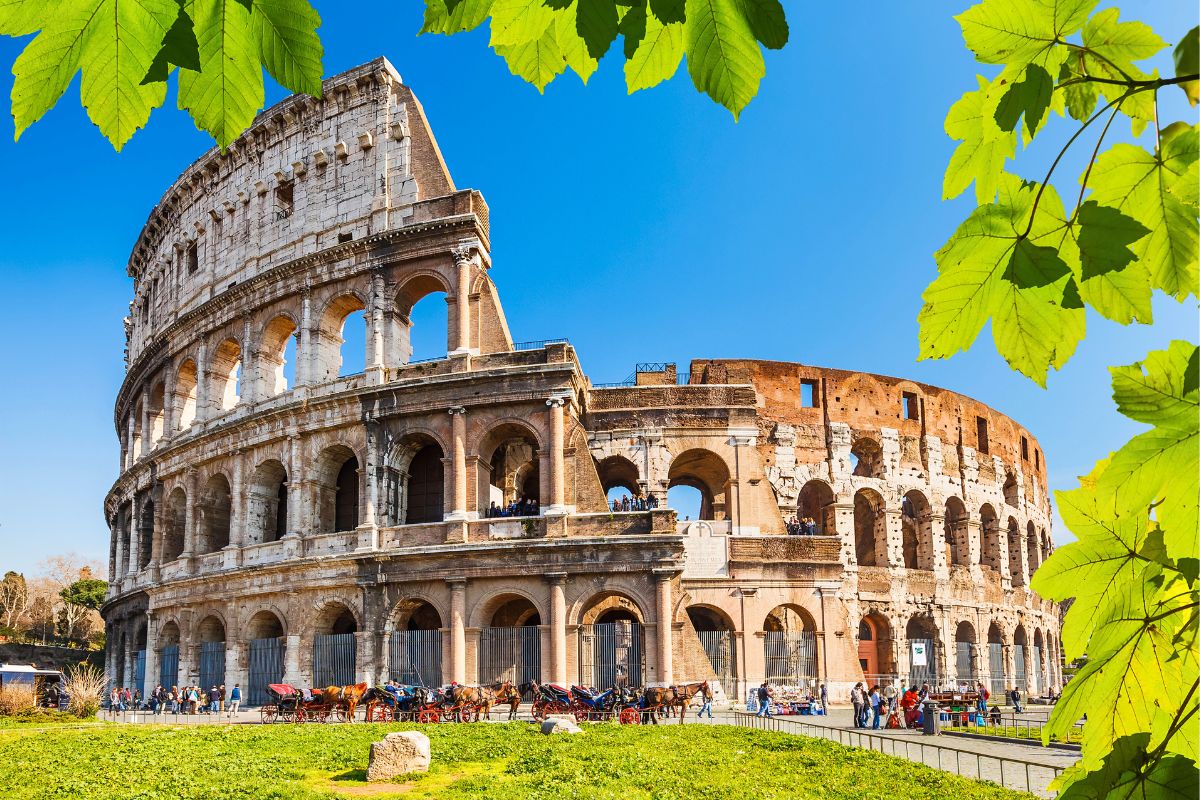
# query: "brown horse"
[[682, 695], [472, 698], [655, 699], [506, 692], [350, 697]]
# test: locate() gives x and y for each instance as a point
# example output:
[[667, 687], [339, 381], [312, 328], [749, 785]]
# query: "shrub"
[[17, 698], [84, 687]]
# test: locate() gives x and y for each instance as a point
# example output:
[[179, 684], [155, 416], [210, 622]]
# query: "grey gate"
[[964, 663], [510, 654], [266, 666], [168, 666], [926, 673], [791, 658], [334, 659], [612, 654], [212, 664], [999, 683], [415, 658], [139, 672], [1037, 670], [721, 650], [1019, 666]]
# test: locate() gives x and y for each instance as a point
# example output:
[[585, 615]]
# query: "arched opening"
[[1038, 661], [1015, 549], [612, 642], [336, 478], [964, 654], [708, 474], [146, 534], [335, 646], [870, 529], [917, 529], [211, 635], [922, 634], [875, 649], [513, 475], [790, 646], [866, 458], [619, 477], [137, 432], [998, 682], [510, 646], [1020, 673], [715, 631], [816, 504], [139, 658], [226, 375], [268, 503], [267, 649], [1010, 489], [989, 531], [425, 486], [415, 647], [174, 524], [168, 655], [215, 506], [277, 366], [158, 398], [422, 310], [956, 534], [339, 342], [1032, 550], [1047, 546], [185, 395]]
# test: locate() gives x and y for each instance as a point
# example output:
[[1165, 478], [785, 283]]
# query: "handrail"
[[538, 344]]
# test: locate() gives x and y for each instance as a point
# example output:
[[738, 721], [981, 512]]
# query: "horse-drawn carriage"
[[627, 705], [288, 704]]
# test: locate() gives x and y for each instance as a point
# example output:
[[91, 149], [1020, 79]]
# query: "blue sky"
[[645, 228]]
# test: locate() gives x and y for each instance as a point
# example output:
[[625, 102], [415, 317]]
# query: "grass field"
[[501, 762], [1025, 732]]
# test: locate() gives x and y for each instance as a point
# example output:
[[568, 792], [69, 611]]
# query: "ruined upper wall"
[[307, 175]]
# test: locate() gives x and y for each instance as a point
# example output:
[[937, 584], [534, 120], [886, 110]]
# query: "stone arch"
[[921, 627], [156, 412], [210, 629], [272, 365], [966, 660], [414, 479], [875, 647], [413, 290], [510, 451], [1033, 552], [216, 507], [790, 645], [327, 339], [266, 623], [789, 618], [707, 617], [506, 608], [414, 613], [916, 520], [174, 524], [866, 456], [956, 534], [225, 375], [989, 537], [184, 400], [706, 472], [815, 502], [168, 635], [136, 444], [870, 529], [995, 634], [618, 472], [1011, 497], [1014, 552], [267, 504], [335, 617], [336, 477], [610, 606], [145, 529]]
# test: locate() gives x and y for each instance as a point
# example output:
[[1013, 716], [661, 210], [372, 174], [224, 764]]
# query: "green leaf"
[[658, 53], [985, 146], [1160, 467], [1130, 773], [723, 56], [456, 16], [768, 22], [178, 49], [668, 10], [990, 269], [573, 48], [1187, 62], [288, 45], [1112, 280], [1110, 48], [1081, 100], [538, 62], [1144, 187], [228, 91], [520, 22], [23, 17], [1019, 32], [1028, 98], [596, 23]]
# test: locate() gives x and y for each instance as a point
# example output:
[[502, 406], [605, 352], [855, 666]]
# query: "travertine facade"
[[275, 519]]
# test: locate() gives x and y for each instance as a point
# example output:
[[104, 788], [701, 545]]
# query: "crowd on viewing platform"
[[806, 526], [524, 507], [627, 503]]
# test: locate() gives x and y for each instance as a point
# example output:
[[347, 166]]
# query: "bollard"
[[930, 727]]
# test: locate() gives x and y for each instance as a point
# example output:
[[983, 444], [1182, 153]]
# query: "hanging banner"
[[919, 657]]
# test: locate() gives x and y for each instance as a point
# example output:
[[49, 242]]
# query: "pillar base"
[[368, 538], [231, 556]]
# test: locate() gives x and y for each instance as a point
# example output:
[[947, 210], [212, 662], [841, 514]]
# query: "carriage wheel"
[[343, 716], [630, 716], [268, 714], [428, 715], [581, 715], [538, 710], [466, 714]]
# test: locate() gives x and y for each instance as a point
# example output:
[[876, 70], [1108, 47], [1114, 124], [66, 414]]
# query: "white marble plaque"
[[706, 553]]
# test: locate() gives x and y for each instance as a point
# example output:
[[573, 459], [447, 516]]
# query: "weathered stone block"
[[398, 754]]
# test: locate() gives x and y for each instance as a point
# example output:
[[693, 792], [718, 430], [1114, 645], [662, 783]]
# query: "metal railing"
[[615, 384], [538, 344], [1011, 773], [1019, 727]]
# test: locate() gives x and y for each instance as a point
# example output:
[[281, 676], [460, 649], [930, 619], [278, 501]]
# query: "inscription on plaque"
[[706, 553]]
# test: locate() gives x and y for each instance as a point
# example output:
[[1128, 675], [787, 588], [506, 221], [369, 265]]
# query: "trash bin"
[[930, 719]]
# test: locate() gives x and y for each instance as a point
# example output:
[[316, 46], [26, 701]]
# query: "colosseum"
[[289, 510]]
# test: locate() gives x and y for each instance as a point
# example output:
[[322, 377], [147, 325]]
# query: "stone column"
[[304, 353], [462, 299], [295, 509], [1029, 668], [237, 516], [375, 333], [145, 422], [151, 677], [291, 662], [202, 388], [458, 467], [458, 630], [974, 542], [233, 667], [135, 532], [251, 364], [893, 544], [557, 467], [130, 438], [558, 628], [168, 409], [120, 559], [368, 532], [189, 517], [665, 633], [940, 560]]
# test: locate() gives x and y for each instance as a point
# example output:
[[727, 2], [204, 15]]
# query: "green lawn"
[[1029, 732], [496, 762]]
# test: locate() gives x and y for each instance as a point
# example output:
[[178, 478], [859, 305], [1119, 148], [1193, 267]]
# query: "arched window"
[[268, 501], [422, 310], [706, 473], [1010, 489], [226, 374], [426, 486], [989, 530], [346, 501], [816, 503], [185, 395], [957, 534], [215, 506], [158, 396], [1014, 553], [339, 343], [277, 357], [336, 478], [175, 521], [866, 457], [514, 478], [870, 529]]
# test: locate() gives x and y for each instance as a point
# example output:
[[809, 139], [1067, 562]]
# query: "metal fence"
[[537, 344], [1019, 665], [510, 654], [927, 672], [791, 657], [266, 666], [415, 658], [964, 663], [1011, 773], [335, 659], [139, 672], [612, 654], [996, 666], [168, 666], [721, 650], [1027, 726], [212, 664]]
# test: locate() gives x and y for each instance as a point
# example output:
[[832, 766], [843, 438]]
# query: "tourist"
[[874, 699], [764, 701], [193, 700], [221, 697], [824, 694], [1014, 697], [857, 699], [214, 700], [705, 705], [910, 703], [984, 696], [235, 699]]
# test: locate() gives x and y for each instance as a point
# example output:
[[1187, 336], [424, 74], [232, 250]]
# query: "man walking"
[[764, 701], [1015, 697], [235, 699]]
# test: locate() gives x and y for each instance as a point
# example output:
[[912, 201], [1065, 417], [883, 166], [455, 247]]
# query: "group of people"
[[523, 507], [804, 526], [178, 700], [874, 709], [627, 503], [764, 696]]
